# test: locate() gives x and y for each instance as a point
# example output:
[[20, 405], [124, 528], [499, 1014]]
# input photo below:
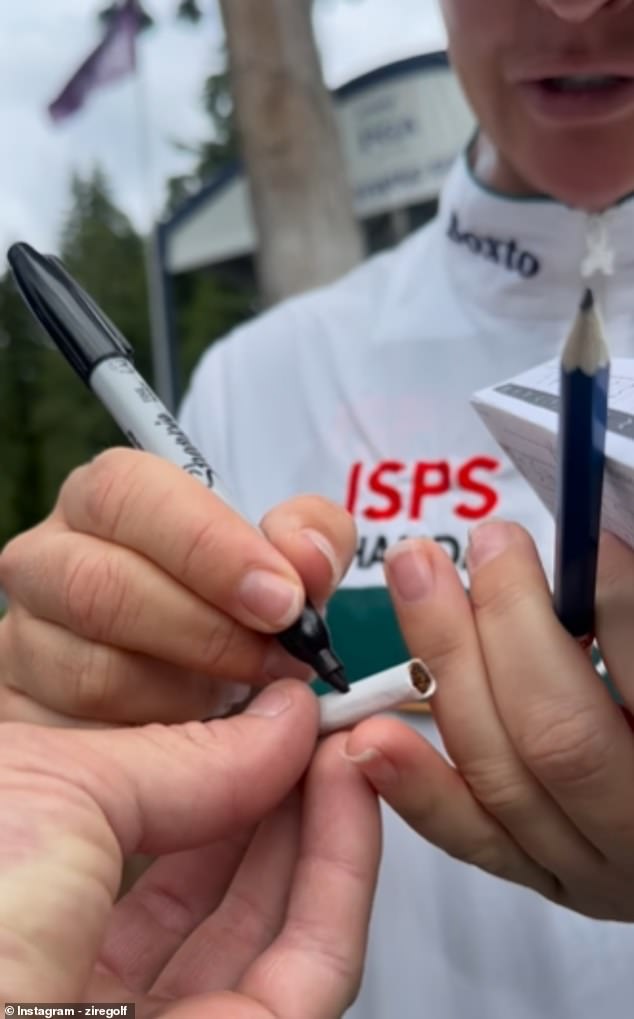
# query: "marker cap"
[[79, 328]]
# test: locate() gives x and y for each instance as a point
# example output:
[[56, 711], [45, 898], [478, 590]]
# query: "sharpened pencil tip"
[[586, 349]]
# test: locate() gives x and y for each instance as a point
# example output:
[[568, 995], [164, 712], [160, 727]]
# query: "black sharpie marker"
[[102, 357]]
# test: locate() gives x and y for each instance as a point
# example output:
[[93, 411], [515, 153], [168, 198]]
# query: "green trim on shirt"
[[364, 631], [366, 636]]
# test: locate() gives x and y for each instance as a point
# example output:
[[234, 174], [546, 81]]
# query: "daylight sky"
[[129, 128]]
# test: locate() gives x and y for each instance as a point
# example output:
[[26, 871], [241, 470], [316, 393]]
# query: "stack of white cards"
[[522, 415]]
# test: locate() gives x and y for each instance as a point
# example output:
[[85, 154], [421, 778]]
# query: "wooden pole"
[[302, 205]]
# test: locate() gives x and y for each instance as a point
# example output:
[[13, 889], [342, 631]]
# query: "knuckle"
[[94, 595], [12, 653], [165, 907], [335, 958], [10, 561], [501, 600], [217, 647], [309, 507], [186, 740], [563, 745], [14, 559], [443, 647], [107, 485], [336, 518], [246, 921], [27, 562], [508, 586], [489, 853], [312, 511], [95, 683], [200, 545], [219, 741], [282, 520], [74, 480], [206, 735], [497, 785]]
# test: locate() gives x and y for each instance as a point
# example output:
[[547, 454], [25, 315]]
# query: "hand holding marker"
[[102, 358]]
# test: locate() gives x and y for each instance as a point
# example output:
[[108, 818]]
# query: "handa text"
[[371, 549]]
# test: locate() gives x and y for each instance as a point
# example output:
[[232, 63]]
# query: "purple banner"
[[114, 57]]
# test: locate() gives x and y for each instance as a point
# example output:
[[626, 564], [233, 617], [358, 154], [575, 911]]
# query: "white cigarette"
[[411, 681]]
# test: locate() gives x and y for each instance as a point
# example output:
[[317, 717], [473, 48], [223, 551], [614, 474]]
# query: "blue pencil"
[[583, 414]]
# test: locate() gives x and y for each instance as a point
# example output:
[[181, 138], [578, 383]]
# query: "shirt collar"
[[522, 257]]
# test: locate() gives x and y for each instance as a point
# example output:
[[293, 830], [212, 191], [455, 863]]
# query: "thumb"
[[74, 803]]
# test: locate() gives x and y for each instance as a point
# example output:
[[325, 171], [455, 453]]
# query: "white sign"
[[401, 126], [400, 137]]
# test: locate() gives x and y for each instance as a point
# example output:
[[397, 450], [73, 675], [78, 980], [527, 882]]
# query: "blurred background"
[[193, 161]]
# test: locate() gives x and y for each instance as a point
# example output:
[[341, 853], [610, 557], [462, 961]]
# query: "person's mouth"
[[579, 96]]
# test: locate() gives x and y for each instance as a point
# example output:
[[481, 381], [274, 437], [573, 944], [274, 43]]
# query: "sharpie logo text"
[[197, 465]]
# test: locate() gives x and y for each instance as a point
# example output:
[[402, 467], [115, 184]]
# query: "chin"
[[590, 176], [590, 195]]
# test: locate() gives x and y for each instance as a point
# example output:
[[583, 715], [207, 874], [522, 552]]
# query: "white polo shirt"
[[360, 392]]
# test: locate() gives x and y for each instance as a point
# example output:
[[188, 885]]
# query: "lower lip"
[[579, 107]]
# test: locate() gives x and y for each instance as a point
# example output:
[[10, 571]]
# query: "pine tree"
[[49, 423]]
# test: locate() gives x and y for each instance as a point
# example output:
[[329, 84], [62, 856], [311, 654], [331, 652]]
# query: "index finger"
[[560, 717], [323, 939], [152, 507]]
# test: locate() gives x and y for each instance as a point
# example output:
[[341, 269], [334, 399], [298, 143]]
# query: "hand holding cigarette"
[[239, 845], [539, 785]]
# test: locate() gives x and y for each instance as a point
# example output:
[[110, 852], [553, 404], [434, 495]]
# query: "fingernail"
[[373, 764], [487, 541], [363, 758], [321, 543], [409, 571], [273, 701], [270, 597]]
